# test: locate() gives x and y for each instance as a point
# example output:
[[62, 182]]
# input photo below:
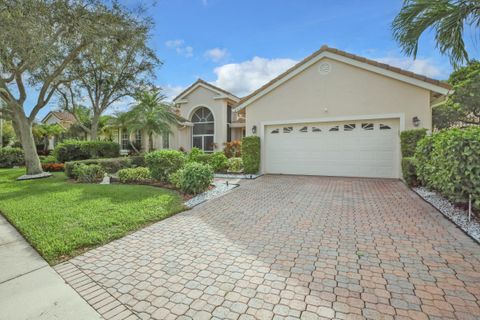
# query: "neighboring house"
[[333, 114], [63, 118]]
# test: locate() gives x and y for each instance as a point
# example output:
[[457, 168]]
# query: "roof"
[[63, 116], [325, 49], [205, 83]]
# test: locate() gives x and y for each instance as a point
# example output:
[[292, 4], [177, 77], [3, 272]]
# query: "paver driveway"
[[285, 246]]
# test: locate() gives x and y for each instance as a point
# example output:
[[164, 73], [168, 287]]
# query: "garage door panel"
[[359, 152]]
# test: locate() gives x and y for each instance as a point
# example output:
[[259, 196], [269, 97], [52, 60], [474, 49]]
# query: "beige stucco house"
[[333, 114]]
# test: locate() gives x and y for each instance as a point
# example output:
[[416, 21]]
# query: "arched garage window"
[[203, 129]]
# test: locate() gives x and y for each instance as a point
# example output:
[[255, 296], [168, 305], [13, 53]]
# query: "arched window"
[[203, 129]]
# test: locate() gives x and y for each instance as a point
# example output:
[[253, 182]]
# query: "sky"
[[240, 45]]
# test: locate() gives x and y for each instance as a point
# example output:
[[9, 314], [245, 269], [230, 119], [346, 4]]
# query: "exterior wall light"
[[416, 121], [254, 129]]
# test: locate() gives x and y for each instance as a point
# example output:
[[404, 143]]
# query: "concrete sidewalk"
[[30, 288]]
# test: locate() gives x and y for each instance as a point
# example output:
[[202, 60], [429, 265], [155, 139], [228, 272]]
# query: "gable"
[[219, 93], [356, 61]]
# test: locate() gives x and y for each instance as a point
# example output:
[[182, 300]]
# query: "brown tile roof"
[[326, 48], [205, 83], [64, 116]]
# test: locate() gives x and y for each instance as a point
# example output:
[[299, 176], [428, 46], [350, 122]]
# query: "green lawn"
[[61, 219]]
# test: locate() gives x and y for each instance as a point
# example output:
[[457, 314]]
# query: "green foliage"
[[194, 155], [88, 173], [62, 219], [108, 165], [409, 172], [138, 160], [10, 157], [251, 154], [48, 159], [449, 162], [409, 140], [446, 115], [162, 163], [135, 175], [194, 178], [8, 134], [235, 165], [71, 150], [218, 161], [446, 18]]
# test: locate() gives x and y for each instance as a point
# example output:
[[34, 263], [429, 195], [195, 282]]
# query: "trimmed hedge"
[[108, 165], [235, 165], [134, 175], [88, 173], [409, 140], [72, 150], [10, 157], [194, 178], [218, 161], [251, 154], [449, 162], [409, 172], [162, 163]]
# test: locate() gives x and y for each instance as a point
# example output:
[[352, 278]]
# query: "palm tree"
[[153, 115], [446, 17], [45, 132], [122, 121]]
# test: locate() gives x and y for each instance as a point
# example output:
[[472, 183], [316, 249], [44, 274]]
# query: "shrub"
[[10, 157], [449, 162], [251, 154], [162, 163], [88, 173], [235, 165], [138, 174], [218, 161], [48, 159], [409, 172], [108, 165], [53, 167], [138, 160], [176, 178], [233, 149], [72, 150], [194, 155], [194, 178], [409, 140]]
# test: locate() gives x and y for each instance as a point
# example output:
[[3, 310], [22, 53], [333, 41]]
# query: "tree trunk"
[[24, 127], [94, 128], [150, 141]]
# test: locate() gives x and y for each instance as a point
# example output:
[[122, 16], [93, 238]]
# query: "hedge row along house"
[[333, 113]]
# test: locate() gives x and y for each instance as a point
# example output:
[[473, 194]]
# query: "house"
[[333, 114], [64, 119]]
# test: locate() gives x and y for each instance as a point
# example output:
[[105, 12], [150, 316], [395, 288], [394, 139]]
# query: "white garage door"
[[350, 149]]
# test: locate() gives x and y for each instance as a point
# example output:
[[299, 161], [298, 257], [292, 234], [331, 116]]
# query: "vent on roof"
[[324, 68]]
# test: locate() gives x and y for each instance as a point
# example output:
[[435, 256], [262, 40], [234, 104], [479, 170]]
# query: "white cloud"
[[171, 91], [216, 54], [421, 66], [180, 47], [244, 77]]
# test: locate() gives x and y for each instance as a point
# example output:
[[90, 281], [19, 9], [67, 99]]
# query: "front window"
[[125, 140], [138, 139], [203, 129]]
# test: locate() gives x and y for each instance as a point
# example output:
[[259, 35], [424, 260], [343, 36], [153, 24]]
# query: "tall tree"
[[107, 74], [153, 115], [446, 17], [39, 41]]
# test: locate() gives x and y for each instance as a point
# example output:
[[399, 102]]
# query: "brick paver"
[[286, 247]]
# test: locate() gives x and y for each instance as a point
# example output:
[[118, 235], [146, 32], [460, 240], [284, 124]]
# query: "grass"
[[62, 219]]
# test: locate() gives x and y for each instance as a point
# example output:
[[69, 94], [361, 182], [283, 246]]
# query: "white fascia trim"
[[400, 116], [221, 94], [353, 62]]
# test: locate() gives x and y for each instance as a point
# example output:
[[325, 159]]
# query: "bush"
[[233, 149], [10, 157], [89, 173], [409, 172], [218, 161], [53, 167], [108, 165], [135, 175], [235, 165], [449, 162], [194, 155], [251, 154], [162, 163], [194, 178], [409, 140], [138, 160], [72, 150], [48, 159]]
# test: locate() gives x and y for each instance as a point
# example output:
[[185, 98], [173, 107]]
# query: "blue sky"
[[239, 45]]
